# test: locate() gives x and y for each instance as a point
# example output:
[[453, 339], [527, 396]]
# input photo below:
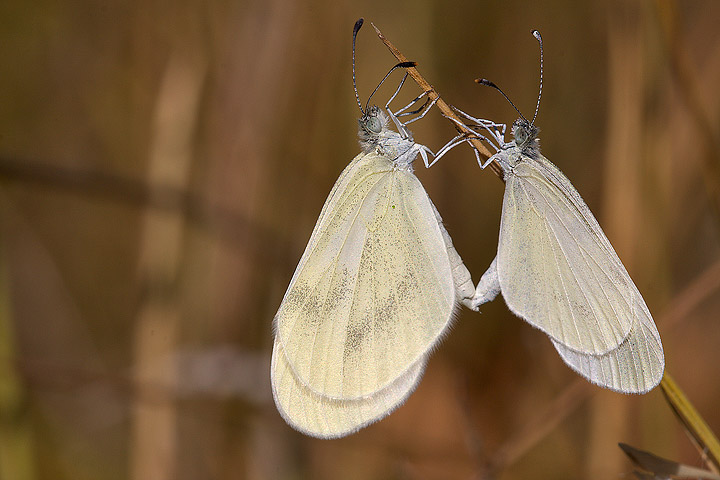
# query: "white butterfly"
[[373, 293], [557, 270]]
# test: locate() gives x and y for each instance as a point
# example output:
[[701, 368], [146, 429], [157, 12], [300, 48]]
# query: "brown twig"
[[444, 107]]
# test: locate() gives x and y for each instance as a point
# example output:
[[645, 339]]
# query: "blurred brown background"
[[162, 165]]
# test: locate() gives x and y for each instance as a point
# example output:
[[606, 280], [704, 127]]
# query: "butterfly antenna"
[[399, 65], [356, 29], [537, 35], [488, 83]]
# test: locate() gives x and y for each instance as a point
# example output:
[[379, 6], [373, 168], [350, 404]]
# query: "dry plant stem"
[[683, 304], [444, 107], [704, 439]]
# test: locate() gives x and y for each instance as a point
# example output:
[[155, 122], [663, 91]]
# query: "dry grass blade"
[[662, 467], [705, 440]]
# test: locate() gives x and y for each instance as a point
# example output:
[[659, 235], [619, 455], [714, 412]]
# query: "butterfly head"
[[526, 137], [370, 126]]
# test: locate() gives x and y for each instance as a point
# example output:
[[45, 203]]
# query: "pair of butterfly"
[[379, 281]]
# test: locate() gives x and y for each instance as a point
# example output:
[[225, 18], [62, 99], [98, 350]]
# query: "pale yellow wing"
[[636, 366], [464, 287], [374, 289], [325, 417], [556, 267]]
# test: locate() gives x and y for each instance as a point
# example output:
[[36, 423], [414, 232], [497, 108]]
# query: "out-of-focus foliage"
[[161, 169]]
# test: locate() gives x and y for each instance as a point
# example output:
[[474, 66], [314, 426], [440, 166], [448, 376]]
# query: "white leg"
[[477, 136], [395, 116], [481, 122], [397, 90], [398, 124], [424, 154], [496, 130], [402, 113], [424, 109], [477, 156], [445, 149], [402, 126], [487, 162]]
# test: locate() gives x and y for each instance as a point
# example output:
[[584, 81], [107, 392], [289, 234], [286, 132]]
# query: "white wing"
[[464, 288], [556, 267], [636, 366], [374, 289], [324, 417]]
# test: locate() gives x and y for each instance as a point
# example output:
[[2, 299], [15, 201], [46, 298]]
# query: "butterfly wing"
[[324, 417], [636, 366], [374, 289], [464, 287], [556, 267]]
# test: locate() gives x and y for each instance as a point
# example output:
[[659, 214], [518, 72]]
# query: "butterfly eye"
[[521, 137], [373, 125]]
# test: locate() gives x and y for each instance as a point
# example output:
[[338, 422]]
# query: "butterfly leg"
[[467, 138], [423, 109], [445, 149], [496, 130], [400, 126]]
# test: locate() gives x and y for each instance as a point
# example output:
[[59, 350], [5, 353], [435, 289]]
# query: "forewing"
[[325, 417], [556, 267], [361, 166], [636, 366], [374, 289]]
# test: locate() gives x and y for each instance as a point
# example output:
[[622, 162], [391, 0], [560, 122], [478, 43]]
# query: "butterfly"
[[557, 270], [373, 293]]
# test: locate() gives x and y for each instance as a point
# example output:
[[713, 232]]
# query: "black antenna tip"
[[358, 24], [536, 34], [356, 28], [486, 82]]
